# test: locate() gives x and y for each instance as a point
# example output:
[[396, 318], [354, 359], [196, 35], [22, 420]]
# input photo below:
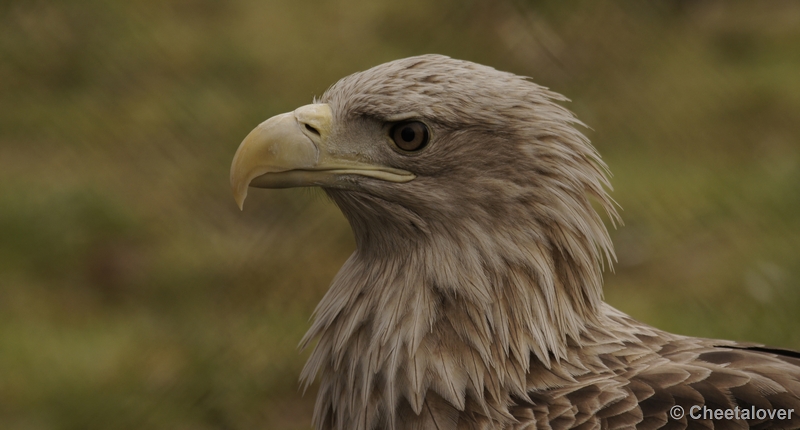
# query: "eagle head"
[[469, 193]]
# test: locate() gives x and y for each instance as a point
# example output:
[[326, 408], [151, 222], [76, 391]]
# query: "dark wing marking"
[[678, 371]]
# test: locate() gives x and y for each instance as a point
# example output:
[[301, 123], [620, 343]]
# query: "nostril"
[[312, 129]]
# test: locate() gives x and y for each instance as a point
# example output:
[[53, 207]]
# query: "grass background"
[[134, 294]]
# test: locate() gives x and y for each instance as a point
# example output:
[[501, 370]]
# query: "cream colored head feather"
[[489, 257], [474, 297]]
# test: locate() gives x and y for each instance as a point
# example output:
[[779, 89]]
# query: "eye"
[[410, 135]]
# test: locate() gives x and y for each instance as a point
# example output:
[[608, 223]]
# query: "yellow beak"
[[292, 150]]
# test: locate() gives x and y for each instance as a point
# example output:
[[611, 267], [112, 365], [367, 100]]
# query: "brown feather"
[[474, 297]]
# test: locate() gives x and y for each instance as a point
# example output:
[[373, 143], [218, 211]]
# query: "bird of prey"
[[474, 297]]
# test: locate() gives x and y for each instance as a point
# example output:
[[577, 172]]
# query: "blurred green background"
[[134, 294]]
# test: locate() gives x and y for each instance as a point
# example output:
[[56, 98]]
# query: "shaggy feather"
[[474, 297]]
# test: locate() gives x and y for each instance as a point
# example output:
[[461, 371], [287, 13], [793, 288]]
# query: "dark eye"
[[410, 135]]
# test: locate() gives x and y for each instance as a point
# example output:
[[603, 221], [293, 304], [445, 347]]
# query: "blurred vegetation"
[[134, 294]]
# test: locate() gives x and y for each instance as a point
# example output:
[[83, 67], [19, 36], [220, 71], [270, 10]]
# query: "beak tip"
[[240, 195]]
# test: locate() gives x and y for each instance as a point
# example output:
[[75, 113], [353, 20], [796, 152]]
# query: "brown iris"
[[410, 135]]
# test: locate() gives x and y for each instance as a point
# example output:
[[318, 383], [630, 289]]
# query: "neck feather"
[[457, 316]]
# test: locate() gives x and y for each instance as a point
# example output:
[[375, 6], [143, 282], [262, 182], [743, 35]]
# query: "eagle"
[[474, 297]]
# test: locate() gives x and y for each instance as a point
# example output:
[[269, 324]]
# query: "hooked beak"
[[292, 150]]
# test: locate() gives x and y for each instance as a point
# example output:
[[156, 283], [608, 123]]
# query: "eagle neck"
[[445, 318]]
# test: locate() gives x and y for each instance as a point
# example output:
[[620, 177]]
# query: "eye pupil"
[[410, 135], [407, 134]]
